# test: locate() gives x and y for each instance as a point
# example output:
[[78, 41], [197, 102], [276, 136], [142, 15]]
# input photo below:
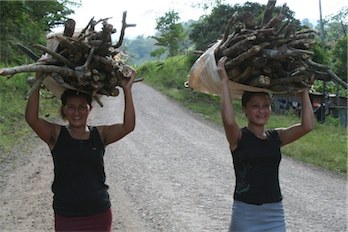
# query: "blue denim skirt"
[[266, 217]]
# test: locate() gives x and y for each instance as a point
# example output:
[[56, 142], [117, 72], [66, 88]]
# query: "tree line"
[[27, 22]]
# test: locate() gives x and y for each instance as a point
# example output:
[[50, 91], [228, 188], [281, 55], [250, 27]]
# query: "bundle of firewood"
[[271, 56], [85, 61]]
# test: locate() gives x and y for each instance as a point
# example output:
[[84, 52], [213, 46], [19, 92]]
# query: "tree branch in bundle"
[[328, 72], [65, 42], [55, 55], [27, 51], [337, 79], [124, 26], [64, 71], [277, 19], [35, 86], [228, 27], [268, 12], [253, 51], [284, 52], [239, 47]]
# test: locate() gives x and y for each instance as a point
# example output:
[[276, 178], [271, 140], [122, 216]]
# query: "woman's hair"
[[69, 93], [247, 95], [75, 93]]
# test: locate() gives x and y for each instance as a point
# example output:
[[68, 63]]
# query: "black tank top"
[[256, 165], [79, 178]]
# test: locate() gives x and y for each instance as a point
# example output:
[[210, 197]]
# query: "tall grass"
[[12, 104], [325, 146]]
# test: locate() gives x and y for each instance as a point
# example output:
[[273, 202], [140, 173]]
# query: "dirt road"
[[173, 173]]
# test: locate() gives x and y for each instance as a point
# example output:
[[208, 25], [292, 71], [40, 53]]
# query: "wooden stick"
[[35, 86], [64, 71], [268, 12], [55, 55]]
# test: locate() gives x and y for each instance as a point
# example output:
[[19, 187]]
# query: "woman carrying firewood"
[[256, 157], [81, 200]]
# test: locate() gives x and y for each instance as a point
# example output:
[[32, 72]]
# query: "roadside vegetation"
[[13, 128], [31, 20]]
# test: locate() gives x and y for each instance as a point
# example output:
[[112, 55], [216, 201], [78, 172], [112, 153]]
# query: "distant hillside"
[[139, 50]]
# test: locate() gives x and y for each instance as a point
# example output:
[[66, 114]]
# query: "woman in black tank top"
[[256, 156], [81, 200]]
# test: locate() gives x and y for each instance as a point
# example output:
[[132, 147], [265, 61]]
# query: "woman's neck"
[[258, 131], [79, 132]]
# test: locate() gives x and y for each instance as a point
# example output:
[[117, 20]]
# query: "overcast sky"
[[144, 13]]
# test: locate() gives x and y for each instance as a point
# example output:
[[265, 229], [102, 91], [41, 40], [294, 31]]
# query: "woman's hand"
[[302, 92], [126, 82], [222, 71]]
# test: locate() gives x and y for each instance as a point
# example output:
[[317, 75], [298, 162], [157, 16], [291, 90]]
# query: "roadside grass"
[[12, 104], [325, 146]]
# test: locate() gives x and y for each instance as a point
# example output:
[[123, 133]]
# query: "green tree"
[[210, 28], [306, 23], [171, 34], [333, 49], [139, 49], [335, 26], [336, 41], [339, 58], [27, 22]]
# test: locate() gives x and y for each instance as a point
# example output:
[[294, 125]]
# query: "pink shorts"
[[98, 222]]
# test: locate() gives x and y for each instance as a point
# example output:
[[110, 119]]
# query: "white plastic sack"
[[52, 85], [203, 77]]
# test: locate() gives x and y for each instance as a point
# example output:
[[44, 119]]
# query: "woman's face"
[[76, 111], [258, 109]]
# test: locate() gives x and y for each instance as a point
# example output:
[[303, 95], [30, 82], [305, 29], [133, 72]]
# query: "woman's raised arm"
[[45, 130], [232, 130], [294, 132]]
